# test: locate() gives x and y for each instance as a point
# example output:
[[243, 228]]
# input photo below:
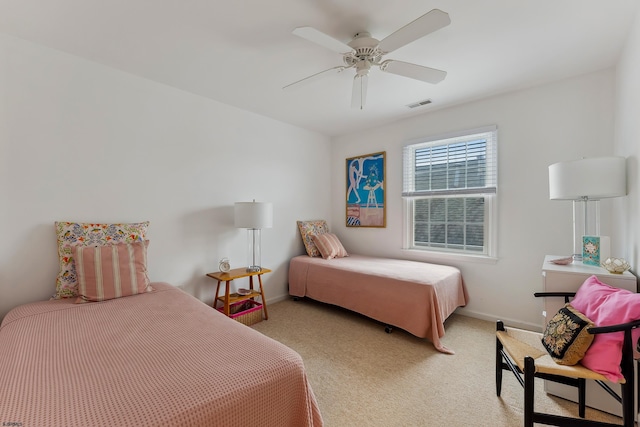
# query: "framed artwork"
[[591, 250], [366, 204]]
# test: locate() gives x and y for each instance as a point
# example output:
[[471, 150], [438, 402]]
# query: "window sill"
[[432, 256]]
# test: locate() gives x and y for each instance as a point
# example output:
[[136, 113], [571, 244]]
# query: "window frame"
[[489, 192]]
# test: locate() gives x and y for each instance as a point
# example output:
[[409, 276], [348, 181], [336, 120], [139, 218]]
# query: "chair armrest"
[[554, 294], [614, 328], [566, 295]]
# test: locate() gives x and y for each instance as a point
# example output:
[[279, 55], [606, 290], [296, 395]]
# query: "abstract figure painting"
[[365, 191]]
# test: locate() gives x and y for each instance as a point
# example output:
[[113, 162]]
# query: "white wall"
[[627, 143], [83, 142], [565, 120]]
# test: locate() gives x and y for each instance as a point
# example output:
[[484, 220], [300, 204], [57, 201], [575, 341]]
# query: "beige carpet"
[[362, 376]]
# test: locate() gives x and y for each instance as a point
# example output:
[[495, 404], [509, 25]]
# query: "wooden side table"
[[238, 273]]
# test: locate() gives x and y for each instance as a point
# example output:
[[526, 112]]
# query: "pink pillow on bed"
[[111, 271], [329, 246], [606, 306]]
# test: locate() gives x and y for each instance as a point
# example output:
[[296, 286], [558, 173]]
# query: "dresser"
[[568, 278]]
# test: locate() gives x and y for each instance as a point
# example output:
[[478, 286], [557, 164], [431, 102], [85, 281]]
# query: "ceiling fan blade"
[[359, 93], [413, 71], [426, 24], [316, 76], [322, 39]]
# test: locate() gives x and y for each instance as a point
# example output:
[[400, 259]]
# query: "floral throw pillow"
[[567, 336], [309, 229], [87, 234]]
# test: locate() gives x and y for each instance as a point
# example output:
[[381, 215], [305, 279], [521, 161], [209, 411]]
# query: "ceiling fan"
[[364, 51]]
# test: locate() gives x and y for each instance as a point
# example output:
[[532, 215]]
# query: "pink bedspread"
[[157, 359], [415, 296]]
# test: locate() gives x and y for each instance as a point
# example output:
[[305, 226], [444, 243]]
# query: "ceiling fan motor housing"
[[366, 50]]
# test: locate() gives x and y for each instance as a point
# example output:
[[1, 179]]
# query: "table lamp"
[[253, 216], [585, 182]]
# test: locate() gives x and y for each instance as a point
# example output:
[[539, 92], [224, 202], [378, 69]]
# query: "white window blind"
[[450, 188], [462, 164]]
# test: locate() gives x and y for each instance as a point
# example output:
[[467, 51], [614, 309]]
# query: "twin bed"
[[160, 358], [414, 296]]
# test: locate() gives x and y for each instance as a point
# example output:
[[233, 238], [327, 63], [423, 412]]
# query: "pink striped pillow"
[[111, 271], [329, 246]]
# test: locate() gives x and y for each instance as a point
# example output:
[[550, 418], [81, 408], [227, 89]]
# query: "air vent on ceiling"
[[419, 103]]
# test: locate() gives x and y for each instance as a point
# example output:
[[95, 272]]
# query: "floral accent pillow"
[[309, 229], [87, 234], [567, 336]]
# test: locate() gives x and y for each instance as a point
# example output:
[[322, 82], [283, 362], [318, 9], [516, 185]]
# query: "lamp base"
[[577, 257], [254, 268]]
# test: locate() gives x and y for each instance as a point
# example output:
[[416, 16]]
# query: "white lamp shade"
[[595, 178], [254, 215]]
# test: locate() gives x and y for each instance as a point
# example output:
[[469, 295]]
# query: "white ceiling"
[[242, 52]]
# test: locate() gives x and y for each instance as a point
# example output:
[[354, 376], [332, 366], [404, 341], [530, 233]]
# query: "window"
[[450, 189]]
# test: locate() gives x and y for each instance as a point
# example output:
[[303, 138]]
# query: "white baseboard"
[[273, 300], [461, 311], [493, 318]]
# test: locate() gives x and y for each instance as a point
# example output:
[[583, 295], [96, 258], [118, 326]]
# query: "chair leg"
[[499, 327], [582, 396], [627, 402], [629, 387], [529, 378], [636, 388], [627, 407]]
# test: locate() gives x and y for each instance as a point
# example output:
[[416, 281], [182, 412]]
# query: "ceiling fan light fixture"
[[363, 67]]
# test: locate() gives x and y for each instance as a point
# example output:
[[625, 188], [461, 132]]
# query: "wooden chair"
[[522, 353]]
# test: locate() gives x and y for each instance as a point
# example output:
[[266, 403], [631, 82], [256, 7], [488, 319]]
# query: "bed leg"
[[296, 298], [388, 329]]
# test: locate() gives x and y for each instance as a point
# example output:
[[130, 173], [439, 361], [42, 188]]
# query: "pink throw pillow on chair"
[[606, 306]]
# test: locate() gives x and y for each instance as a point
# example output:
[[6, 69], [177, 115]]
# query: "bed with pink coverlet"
[[156, 359], [415, 296]]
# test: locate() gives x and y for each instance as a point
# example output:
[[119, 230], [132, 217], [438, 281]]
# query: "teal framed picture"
[[591, 250], [365, 191]]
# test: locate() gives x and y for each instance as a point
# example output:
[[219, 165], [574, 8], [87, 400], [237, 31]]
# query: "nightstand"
[[237, 273]]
